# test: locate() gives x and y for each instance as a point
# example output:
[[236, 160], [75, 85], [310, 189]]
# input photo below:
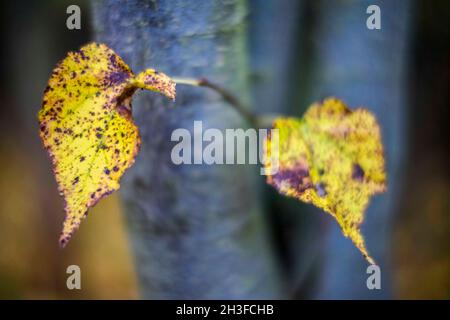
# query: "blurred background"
[[317, 48]]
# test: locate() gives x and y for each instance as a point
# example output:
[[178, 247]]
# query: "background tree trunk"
[[364, 68], [278, 59], [198, 231]]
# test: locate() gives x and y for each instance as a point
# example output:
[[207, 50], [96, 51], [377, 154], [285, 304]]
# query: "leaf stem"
[[226, 95]]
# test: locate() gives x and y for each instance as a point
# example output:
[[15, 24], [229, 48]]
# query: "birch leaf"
[[87, 128], [332, 158]]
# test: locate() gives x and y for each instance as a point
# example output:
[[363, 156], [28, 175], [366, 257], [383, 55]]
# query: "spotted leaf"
[[332, 158], [87, 128]]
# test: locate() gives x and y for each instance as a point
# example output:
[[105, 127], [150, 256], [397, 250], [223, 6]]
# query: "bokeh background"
[[34, 38]]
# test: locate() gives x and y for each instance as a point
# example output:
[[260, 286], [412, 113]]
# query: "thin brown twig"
[[225, 94]]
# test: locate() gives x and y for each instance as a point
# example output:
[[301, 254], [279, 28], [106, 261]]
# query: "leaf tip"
[[64, 240]]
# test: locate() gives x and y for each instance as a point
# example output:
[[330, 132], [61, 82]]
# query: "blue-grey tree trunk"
[[197, 231], [278, 56], [364, 68]]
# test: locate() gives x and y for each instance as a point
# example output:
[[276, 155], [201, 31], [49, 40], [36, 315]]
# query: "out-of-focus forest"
[[315, 49]]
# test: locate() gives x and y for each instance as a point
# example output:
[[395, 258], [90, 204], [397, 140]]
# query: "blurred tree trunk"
[[278, 59], [197, 231], [364, 68]]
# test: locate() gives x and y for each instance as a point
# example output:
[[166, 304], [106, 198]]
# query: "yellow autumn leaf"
[[86, 126], [332, 158]]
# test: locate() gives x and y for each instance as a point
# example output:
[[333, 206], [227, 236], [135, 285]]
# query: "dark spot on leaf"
[[297, 178], [358, 172], [321, 191], [117, 78]]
